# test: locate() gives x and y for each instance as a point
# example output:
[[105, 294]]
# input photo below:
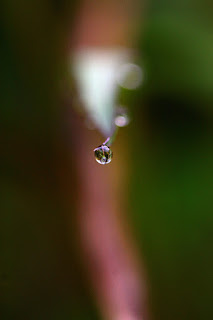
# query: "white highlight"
[[95, 71]]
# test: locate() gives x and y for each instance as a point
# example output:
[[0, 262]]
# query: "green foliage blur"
[[172, 156]]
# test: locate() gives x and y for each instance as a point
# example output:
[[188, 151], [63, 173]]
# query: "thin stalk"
[[109, 141]]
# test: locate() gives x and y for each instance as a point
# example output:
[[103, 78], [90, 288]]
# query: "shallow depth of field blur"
[[132, 239]]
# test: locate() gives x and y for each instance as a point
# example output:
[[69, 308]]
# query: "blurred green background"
[[172, 183]]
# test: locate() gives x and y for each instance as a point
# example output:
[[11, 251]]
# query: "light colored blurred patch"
[[96, 74], [122, 118], [129, 76]]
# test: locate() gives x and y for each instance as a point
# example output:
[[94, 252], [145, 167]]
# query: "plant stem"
[[111, 139]]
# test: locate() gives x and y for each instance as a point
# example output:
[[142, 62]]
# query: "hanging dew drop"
[[103, 154]]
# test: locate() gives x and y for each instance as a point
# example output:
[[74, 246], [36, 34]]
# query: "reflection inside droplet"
[[103, 154]]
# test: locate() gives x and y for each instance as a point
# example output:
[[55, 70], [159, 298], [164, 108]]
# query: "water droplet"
[[103, 154]]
